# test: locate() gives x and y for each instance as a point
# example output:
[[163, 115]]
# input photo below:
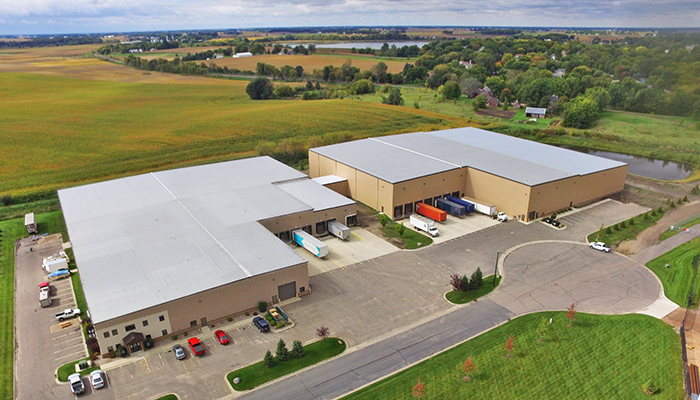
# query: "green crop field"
[[601, 357], [58, 132]]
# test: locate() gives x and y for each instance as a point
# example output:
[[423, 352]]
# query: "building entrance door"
[[204, 321], [135, 347], [287, 291]]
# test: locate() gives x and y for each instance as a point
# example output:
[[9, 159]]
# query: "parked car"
[[600, 246], [556, 223], [547, 220], [502, 217], [96, 379], [179, 352], [196, 346], [221, 337], [76, 384], [261, 324]]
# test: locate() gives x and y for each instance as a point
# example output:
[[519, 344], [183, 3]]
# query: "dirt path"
[[650, 236]]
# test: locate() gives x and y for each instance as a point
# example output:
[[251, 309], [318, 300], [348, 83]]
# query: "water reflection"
[[643, 166]]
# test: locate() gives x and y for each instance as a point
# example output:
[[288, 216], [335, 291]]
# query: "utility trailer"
[[310, 243], [455, 209], [431, 212], [484, 208], [339, 230], [467, 205], [30, 223]]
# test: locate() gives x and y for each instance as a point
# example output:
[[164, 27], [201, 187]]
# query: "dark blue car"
[[261, 324]]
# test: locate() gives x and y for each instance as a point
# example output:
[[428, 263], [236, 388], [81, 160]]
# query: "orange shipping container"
[[431, 212]]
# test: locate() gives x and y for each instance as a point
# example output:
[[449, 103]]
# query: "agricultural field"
[[59, 131], [600, 357]]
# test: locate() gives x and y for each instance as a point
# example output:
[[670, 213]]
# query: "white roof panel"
[[314, 194]]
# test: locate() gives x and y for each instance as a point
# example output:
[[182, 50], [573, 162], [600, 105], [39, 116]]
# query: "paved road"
[[540, 276]]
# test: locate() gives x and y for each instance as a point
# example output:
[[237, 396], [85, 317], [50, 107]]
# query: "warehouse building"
[[168, 251], [522, 178]]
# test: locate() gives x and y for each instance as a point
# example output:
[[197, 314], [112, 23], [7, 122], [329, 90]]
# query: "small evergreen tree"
[[632, 222], [653, 213], [298, 349], [608, 230], [661, 210], [685, 199], [616, 227], [318, 86], [309, 85], [476, 280], [623, 225], [282, 353], [268, 360], [465, 284]]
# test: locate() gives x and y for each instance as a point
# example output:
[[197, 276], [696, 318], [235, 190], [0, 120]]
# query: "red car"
[[221, 336], [196, 346]]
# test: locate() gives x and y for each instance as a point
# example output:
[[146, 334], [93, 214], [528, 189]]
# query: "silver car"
[[96, 379], [179, 352]]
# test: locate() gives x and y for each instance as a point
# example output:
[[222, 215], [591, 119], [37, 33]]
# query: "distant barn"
[[532, 112]]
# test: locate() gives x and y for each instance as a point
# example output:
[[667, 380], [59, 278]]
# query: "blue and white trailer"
[[310, 243], [455, 209], [467, 205]]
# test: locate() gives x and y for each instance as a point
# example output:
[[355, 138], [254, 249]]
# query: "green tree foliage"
[[282, 353], [394, 98], [479, 102], [451, 90], [268, 360], [400, 228], [476, 280], [600, 95], [496, 84], [309, 85], [297, 349], [542, 329], [284, 91], [580, 113], [362, 86], [260, 89], [379, 72], [464, 285], [469, 85]]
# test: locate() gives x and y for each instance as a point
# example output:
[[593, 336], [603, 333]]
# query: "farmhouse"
[[164, 252], [532, 112], [525, 179], [491, 99]]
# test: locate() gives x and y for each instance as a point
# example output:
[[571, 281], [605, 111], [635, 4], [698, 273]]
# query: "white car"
[[96, 379], [502, 217], [76, 384], [600, 246]]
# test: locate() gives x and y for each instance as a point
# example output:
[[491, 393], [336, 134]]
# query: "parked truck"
[[431, 212], [455, 209], [67, 313], [30, 223], [467, 205], [482, 207], [338, 229], [56, 262], [310, 243], [424, 224], [44, 299]]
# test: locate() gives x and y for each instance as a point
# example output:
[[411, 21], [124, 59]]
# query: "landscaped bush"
[[148, 343], [262, 306]]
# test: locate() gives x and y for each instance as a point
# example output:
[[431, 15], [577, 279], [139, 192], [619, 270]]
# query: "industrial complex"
[[167, 251], [524, 179]]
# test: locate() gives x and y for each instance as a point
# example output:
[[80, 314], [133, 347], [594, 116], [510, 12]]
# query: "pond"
[[364, 45], [643, 166]]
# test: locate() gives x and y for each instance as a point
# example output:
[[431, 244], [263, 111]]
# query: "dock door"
[[287, 291]]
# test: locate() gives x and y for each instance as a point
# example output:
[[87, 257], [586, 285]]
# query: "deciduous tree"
[[456, 282], [418, 390], [323, 332], [571, 315], [509, 346], [468, 367], [260, 89]]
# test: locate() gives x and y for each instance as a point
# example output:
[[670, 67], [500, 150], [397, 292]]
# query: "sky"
[[96, 16]]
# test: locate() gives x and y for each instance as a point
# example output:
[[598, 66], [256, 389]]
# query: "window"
[[148, 336], [161, 318], [193, 323], [114, 332], [455, 194], [110, 348], [164, 332], [106, 334], [130, 327], [145, 322], [302, 289]]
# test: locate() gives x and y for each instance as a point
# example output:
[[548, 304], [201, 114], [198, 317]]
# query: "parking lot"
[[456, 227]]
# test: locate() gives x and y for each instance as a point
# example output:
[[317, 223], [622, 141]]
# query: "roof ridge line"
[[244, 269], [417, 152]]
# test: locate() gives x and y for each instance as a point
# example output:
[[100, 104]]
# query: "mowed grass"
[[678, 278], [676, 231], [57, 132], [601, 357], [10, 230], [618, 233], [487, 286], [257, 374]]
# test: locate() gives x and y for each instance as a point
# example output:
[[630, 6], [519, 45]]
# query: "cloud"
[[121, 15]]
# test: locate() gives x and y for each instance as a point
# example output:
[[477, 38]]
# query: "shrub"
[[646, 215], [416, 105], [465, 284], [685, 199], [616, 227], [83, 365], [608, 230], [661, 210], [298, 349], [268, 360], [229, 319], [281, 324], [262, 306], [476, 280], [384, 219], [282, 353], [479, 102], [400, 229], [632, 222], [695, 190], [174, 337], [623, 225], [653, 213], [284, 91], [362, 86], [7, 200], [649, 388], [260, 89], [185, 334], [672, 205], [148, 343]]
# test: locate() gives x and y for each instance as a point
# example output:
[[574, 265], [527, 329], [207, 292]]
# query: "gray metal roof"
[[570, 161], [399, 158], [534, 110], [385, 161], [314, 194], [328, 179], [149, 239]]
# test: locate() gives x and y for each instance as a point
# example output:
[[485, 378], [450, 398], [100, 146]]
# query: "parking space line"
[[67, 340], [77, 345], [67, 334], [68, 355]]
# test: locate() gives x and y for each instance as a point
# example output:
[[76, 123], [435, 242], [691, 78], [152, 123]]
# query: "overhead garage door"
[[287, 291]]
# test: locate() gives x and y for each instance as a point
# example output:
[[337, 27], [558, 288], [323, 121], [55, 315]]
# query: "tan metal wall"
[[340, 188], [212, 304], [508, 196], [299, 220], [427, 186]]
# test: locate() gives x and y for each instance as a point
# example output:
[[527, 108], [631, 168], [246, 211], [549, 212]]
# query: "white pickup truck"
[[67, 313]]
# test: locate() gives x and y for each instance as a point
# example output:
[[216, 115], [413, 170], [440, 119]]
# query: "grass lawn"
[[601, 357], [688, 224], [257, 374], [65, 370], [460, 297], [629, 232], [410, 237], [168, 397], [678, 278]]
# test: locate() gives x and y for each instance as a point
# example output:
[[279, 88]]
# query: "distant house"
[[218, 56], [491, 99], [559, 73], [241, 55], [135, 51], [517, 105], [532, 112], [553, 98], [467, 64]]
